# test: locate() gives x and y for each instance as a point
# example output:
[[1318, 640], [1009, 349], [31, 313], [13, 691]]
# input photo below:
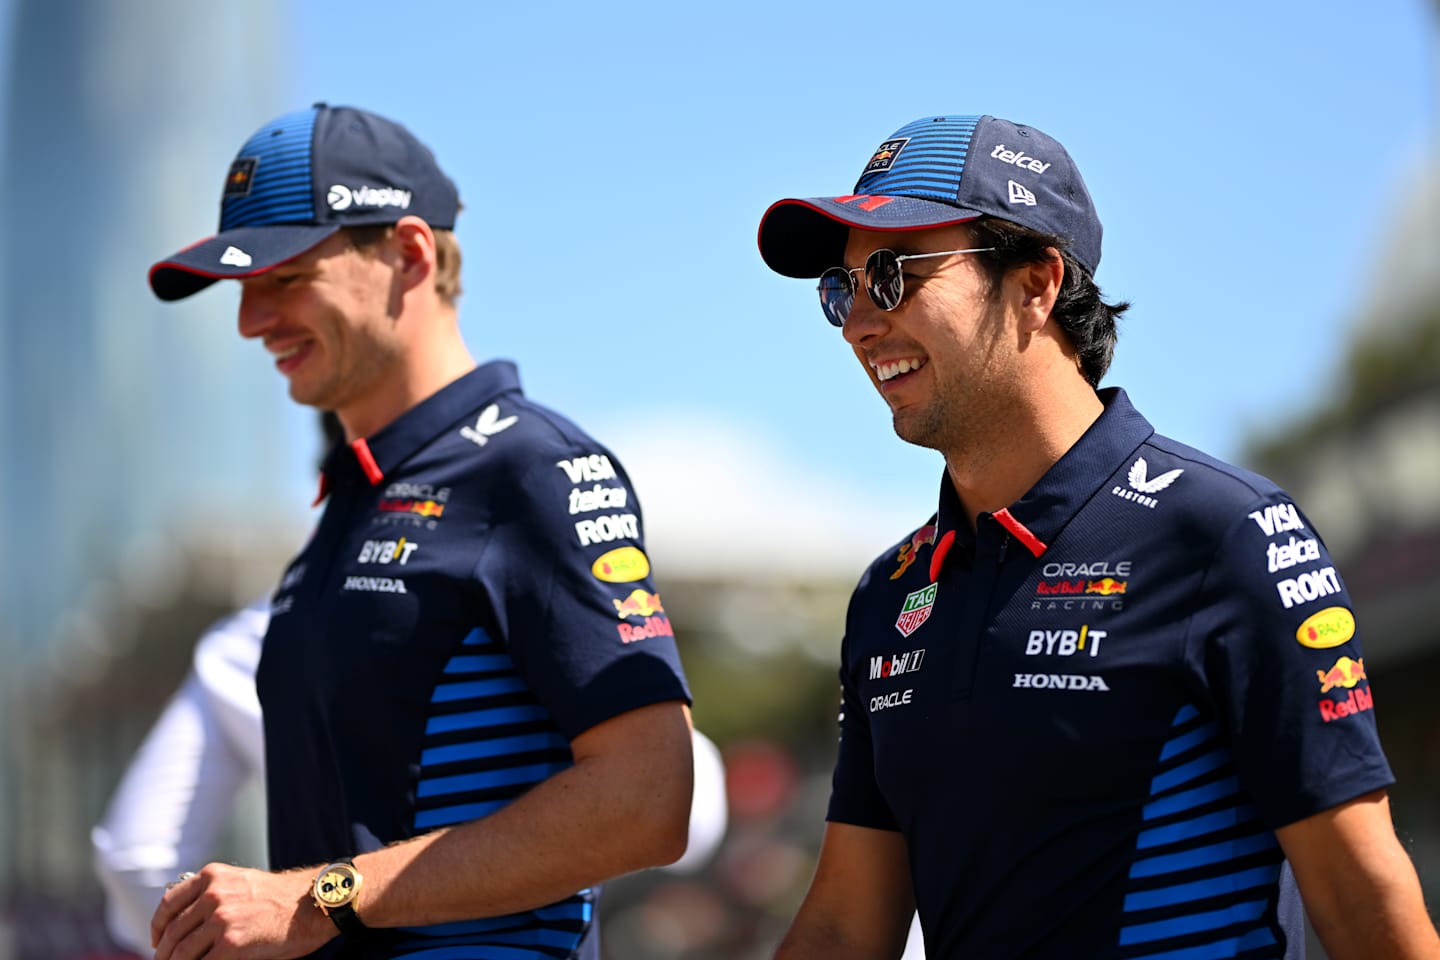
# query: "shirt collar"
[[1038, 517], [368, 460]]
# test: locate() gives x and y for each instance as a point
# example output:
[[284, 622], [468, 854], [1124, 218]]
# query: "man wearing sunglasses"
[[474, 710], [1109, 700]]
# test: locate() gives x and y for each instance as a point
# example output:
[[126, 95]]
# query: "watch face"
[[336, 885]]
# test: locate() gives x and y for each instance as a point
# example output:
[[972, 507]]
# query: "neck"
[[1020, 446], [435, 357]]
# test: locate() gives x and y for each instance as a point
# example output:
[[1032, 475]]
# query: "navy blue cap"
[[935, 172], [301, 178]]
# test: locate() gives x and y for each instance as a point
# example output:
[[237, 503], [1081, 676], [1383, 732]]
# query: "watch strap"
[[344, 916]]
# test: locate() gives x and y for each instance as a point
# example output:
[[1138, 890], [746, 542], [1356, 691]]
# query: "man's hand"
[[235, 913]]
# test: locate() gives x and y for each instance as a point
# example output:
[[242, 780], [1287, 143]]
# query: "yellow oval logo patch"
[[621, 565], [1328, 628]]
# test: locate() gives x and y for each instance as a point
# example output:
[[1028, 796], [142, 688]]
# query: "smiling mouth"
[[893, 369]]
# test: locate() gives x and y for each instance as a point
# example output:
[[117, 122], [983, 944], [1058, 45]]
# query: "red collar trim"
[[937, 559], [367, 461], [1019, 532]]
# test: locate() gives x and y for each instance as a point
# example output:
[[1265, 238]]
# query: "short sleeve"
[[1278, 646], [570, 583], [855, 796]]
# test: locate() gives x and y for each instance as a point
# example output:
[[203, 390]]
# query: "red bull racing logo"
[[638, 604], [908, 551], [641, 604], [424, 508], [1345, 674]]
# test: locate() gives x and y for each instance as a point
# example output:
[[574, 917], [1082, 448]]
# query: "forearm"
[[609, 814], [1359, 886], [811, 940], [1390, 920]]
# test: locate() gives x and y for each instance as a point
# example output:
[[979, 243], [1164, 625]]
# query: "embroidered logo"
[[917, 610], [1019, 194], [235, 257], [1141, 484], [486, 426], [885, 155]]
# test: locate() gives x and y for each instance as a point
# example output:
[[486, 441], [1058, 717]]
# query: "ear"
[[1037, 287], [415, 244]]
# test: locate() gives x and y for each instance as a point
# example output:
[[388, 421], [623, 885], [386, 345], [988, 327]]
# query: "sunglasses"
[[884, 281]]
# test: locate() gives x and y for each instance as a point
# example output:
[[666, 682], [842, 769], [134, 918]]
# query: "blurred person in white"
[[209, 743]]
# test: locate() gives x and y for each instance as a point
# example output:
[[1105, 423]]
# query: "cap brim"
[[234, 255], [804, 238]]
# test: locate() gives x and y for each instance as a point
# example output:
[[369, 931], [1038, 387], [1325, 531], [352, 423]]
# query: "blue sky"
[[615, 159]]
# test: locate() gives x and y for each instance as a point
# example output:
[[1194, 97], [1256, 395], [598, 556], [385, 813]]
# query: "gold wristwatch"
[[336, 888]]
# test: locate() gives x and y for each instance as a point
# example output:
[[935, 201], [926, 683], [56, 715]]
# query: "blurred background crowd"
[[1270, 184]]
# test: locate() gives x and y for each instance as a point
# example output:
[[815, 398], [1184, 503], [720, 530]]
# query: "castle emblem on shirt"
[[916, 610]]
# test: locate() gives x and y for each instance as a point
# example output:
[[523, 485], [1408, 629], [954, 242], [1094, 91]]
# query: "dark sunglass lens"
[[836, 295], [884, 280]]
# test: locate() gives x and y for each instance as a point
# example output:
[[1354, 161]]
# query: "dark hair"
[[1087, 320]]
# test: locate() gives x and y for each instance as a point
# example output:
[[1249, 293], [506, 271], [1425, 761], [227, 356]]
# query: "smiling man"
[[1109, 700], [466, 728]]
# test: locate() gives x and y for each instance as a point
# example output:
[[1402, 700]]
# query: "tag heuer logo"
[[917, 610]]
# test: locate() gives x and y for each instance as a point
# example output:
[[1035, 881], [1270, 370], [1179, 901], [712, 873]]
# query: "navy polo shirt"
[[476, 594], [1088, 716]]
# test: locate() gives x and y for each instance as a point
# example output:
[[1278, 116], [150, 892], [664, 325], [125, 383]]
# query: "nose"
[[256, 312], [866, 321]]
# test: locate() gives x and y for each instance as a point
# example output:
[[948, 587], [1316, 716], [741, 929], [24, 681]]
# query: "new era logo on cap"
[[235, 257], [303, 177], [935, 172]]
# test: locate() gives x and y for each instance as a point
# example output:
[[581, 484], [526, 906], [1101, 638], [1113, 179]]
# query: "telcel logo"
[[1328, 628], [1018, 158]]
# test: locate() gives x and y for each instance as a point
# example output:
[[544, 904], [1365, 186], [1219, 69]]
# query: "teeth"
[[288, 353], [889, 371]]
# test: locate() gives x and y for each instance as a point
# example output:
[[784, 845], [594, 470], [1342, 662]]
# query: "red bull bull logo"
[[639, 604], [908, 551], [1346, 673], [1106, 586], [425, 508]]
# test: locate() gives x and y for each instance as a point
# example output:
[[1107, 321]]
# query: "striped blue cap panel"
[[270, 181], [921, 159]]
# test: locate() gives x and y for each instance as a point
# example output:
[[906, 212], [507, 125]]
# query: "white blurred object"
[[179, 789], [208, 743]]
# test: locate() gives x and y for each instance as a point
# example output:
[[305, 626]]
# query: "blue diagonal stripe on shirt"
[[1201, 856], [494, 717], [440, 786], [502, 746], [1202, 889]]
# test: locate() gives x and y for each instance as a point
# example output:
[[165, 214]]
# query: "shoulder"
[[1197, 495], [904, 565], [514, 438]]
